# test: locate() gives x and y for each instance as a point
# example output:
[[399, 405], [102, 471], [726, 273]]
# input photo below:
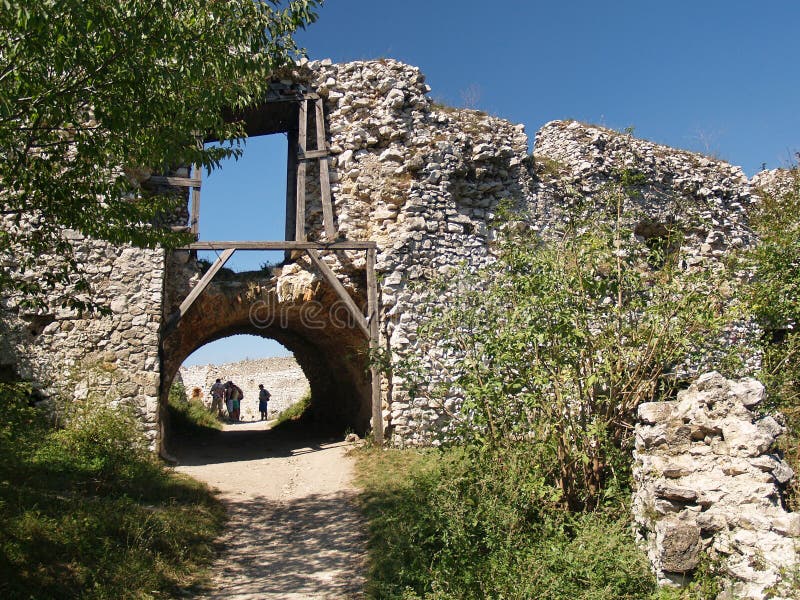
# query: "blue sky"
[[714, 76]]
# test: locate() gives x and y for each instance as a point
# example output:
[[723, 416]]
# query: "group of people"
[[230, 396]]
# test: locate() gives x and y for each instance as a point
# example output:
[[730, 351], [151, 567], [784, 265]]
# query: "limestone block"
[[679, 545], [653, 413]]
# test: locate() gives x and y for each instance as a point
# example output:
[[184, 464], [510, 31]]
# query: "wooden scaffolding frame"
[[297, 159]]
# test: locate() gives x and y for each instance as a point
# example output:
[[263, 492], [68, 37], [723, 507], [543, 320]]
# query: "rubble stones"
[[719, 494]]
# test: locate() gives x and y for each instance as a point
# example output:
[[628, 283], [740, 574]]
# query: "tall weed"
[[457, 524]]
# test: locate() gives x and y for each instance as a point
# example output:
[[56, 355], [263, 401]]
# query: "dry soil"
[[294, 530]]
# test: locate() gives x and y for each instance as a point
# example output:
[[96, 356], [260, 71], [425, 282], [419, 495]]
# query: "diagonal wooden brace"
[[203, 283], [331, 279]]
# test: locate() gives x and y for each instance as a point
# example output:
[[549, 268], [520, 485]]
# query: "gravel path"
[[294, 531]]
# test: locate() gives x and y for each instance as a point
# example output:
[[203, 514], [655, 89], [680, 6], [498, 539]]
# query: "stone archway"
[[291, 306]]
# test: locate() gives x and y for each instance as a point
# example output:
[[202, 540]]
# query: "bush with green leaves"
[[87, 512], [456, 524], [775, 288], [189, 417], [558, 342], [96, 93], [103, 440], [774, 299]]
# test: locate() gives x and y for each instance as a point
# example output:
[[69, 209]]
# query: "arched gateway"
[[386, 190], [326, 328]]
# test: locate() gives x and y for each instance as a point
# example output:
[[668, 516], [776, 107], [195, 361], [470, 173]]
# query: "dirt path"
[[294, 531]]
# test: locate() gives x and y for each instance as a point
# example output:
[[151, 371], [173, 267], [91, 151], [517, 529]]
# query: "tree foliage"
[[774, 299], [775, 289], [94, 91], [568, 337]]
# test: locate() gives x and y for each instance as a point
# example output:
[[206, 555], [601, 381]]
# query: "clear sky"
[[714, 76]]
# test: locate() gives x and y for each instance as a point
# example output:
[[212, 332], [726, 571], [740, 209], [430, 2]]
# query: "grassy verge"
[[190, 417], [294, 412], [451, 525], [87, 512]]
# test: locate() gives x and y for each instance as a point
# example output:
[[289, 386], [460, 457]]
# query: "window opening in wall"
[[245, 200], [663, 240]]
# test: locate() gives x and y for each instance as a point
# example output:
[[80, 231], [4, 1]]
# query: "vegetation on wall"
[[97, 94], [563, 339], [558, 344], [774, 299]]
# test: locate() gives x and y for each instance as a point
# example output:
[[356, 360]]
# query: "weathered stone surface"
[[679, 545], [726, 489]]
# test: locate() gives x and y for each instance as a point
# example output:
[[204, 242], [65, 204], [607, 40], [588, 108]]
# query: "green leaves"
[[560, 340], [89, 87]]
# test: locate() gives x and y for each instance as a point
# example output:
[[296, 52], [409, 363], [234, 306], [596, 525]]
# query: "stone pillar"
[[708, 485]]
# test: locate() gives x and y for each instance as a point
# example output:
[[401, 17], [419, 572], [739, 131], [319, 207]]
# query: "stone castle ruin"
[[282, 376], [397, 187]]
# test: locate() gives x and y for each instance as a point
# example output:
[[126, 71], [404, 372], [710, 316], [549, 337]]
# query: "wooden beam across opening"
[[174, 181], [312, 154], [330, 277], [283, 245]]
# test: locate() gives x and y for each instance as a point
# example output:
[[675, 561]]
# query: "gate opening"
[[248, 361]]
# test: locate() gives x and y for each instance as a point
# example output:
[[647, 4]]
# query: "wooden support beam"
[[194, 223], [331, 279], [310, 154], [203, 283], [300, 197], [290, 245], [374, 341], [324, 177], [174, 181], [291, 185]]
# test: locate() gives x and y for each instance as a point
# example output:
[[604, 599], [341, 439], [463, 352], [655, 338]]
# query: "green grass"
[[447, 524], [87, 512], [295, 412], [190, 417]]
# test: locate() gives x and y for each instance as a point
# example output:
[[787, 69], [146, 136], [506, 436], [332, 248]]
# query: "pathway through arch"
[[294, 530]]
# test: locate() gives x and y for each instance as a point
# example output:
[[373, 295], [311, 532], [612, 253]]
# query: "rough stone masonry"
[[709, 488], [424, 182]]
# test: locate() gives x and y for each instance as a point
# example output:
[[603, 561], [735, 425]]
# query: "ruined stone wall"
[[708, 487], [112, 358], [708, 200], [281, 376], [421, 180], [424, 182]]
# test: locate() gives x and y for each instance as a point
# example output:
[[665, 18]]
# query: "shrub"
[[774, 299], [96, 438], [565, 340], [455, 524], [87, 512], [296, 411]]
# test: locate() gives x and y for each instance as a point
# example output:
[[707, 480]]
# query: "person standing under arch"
[[263, 401], [233, 396], [217, 394]]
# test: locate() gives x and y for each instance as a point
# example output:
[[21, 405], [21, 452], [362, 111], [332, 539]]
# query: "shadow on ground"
[[248, 444], [315, 534]]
